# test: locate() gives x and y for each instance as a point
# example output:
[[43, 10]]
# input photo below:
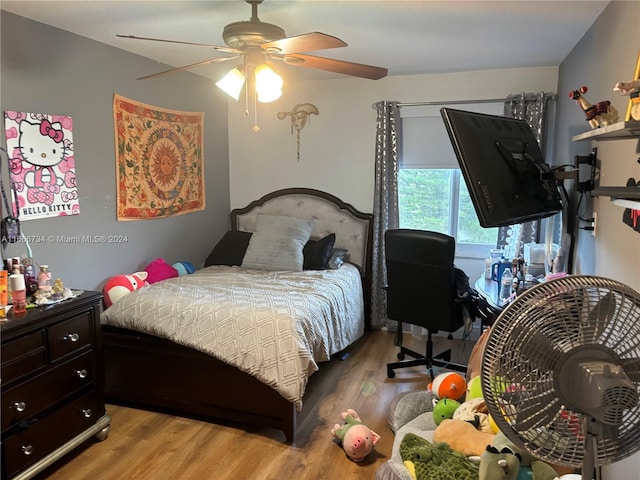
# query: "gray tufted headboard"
[[353, 228]]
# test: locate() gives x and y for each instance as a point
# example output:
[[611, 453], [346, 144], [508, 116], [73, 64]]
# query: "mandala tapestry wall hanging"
[[159, 160], [42, 164]]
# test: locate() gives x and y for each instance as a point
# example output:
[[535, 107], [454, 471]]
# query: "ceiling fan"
[[258, 42]]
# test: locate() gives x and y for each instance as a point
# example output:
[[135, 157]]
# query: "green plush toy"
[[444, 408], [504, 460], [435, 461], [474, 388]]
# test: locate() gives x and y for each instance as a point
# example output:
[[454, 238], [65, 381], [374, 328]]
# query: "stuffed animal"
[[159, 270], [444, 408], [121, 285], [475, 412], [463, 437], [499, 464], [427, 461], [599, 115], [631, 88], [184, 268], [500, 459], [448, 385], [356, 438], [474, 388]]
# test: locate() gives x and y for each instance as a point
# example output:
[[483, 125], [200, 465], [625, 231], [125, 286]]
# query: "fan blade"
[[540, 351], [598, 319], [537, 411], [215, 47], [337, 66], [187, 67], [304, 43], [632, 368]]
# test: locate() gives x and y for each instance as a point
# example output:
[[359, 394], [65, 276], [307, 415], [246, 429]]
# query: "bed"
[[179, 346]]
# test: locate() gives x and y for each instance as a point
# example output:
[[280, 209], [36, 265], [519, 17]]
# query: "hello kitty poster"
[[42, 164]]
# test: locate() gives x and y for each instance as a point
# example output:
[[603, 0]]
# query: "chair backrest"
[[421, 285]]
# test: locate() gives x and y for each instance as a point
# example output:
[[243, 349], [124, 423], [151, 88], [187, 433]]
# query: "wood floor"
[[154, 446]]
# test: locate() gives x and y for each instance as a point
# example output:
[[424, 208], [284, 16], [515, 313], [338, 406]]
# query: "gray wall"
[[605, 55], [47, 70]]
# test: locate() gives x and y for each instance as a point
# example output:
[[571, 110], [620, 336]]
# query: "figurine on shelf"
[[599, 115], [631, 88]]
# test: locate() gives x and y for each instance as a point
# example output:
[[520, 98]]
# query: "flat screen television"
[[503, 167]]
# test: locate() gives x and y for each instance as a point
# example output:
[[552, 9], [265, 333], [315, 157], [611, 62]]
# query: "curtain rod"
[[460, 102]]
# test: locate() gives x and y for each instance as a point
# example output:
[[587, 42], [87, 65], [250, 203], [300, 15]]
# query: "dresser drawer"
[[27, 446], [43, 391], [23, 356], [71, 335]]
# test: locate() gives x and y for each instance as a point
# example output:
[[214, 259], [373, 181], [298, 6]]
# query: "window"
[[437, 199], [432, 194]]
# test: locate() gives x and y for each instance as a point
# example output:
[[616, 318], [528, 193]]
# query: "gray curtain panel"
[[385, 203], [531, 108]]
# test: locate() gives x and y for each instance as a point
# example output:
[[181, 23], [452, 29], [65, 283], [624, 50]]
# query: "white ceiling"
[[407, 37]]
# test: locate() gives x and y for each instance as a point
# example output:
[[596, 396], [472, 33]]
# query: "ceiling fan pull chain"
[[256, 127], [298, 145]]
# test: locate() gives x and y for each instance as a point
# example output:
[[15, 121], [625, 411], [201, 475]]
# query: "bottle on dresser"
[[45, 284]]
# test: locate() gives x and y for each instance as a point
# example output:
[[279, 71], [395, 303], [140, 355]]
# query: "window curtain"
[[531, 108], [385, 203]]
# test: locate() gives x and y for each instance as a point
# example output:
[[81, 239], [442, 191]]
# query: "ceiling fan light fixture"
[[232, 83], [268, 84]]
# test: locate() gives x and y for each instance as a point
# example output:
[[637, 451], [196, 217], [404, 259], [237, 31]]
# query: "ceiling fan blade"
[[215, 47], [187, 67], [304, 43], [337, 66]]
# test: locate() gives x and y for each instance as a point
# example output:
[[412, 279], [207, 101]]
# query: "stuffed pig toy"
[[121, 285], [356, 438]]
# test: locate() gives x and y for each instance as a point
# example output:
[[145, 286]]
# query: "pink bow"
[[47, 129]]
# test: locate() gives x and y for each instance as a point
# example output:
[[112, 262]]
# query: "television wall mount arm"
[[591, 161], [580, 185]]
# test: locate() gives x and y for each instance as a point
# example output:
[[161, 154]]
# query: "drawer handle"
[[87, 412], [72, 337], [81, 373], [20, 406], [27, 449]]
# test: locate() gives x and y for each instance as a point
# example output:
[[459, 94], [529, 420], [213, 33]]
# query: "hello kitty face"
[[42, 143]]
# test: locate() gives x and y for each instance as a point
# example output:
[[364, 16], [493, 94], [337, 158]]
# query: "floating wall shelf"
[[617, 131], [628, 197]]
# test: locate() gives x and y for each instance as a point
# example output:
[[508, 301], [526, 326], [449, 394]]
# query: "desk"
[[489, 304]]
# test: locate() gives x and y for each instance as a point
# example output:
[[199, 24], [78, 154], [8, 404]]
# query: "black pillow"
[[230, 249], [317, 252]]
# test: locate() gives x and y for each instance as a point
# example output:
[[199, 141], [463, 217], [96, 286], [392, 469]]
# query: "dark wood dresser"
[[52, 384]]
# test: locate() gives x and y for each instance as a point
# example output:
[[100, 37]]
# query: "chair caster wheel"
[[400, 356], [391, 373]]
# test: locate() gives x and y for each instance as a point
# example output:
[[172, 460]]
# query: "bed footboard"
[[150, 372]]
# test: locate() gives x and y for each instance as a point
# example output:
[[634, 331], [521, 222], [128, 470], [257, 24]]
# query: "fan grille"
[[525, 380]]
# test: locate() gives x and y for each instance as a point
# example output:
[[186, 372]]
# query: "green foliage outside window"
[[425, 204]]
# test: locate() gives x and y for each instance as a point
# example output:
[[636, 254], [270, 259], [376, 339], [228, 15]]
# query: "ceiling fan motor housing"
[[241, 35]]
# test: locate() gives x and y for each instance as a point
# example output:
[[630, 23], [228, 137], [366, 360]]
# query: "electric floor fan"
[[561, 372]]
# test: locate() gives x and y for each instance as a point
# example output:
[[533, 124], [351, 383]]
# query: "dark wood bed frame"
[[152, 373]]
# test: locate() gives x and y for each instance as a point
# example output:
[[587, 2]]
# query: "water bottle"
[[506, 282]]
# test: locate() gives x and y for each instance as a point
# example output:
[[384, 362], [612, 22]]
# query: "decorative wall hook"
[[299, 115]]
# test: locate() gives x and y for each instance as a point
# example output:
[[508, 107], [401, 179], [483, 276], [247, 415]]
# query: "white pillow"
[[277, 243]]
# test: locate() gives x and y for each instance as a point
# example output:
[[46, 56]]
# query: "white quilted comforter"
[[275, 326]]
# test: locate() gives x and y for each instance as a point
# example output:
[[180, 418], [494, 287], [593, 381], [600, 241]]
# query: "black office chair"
[[421, 290]]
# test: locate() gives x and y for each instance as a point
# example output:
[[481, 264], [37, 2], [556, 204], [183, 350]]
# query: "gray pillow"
[[277, 243]]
